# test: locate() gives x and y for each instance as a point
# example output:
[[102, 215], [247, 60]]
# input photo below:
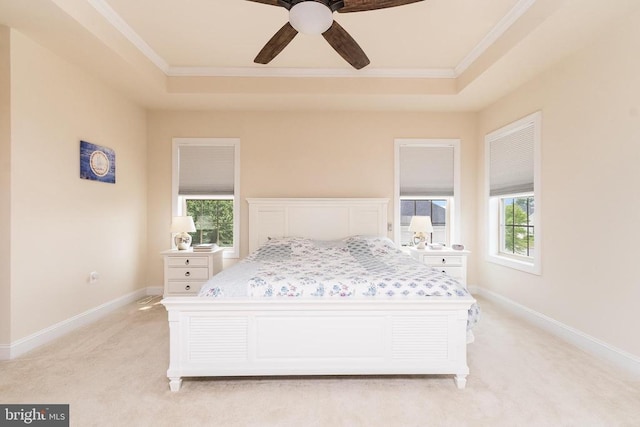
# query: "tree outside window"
[[213, 219], [518, 225]]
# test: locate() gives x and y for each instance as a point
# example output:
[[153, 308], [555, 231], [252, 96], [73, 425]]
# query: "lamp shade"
[[310, 17], [181, 224], [421, 224]]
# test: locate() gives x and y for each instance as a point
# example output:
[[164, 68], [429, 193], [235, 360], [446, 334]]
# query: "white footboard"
[[210, 337]]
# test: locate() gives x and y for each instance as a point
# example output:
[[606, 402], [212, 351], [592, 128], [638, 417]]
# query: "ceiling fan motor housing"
[[331, 4]]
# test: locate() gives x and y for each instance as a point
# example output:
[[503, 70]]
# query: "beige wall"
[[290, 154], [63, 227], [590, 171], [5, 186]]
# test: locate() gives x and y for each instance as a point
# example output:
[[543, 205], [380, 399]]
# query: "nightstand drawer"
[[186, 273], [187, 261], [443, 260], [455, 272], [187, 288]]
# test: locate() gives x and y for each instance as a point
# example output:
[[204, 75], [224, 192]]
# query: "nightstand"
[[448, 261], [186, 271]]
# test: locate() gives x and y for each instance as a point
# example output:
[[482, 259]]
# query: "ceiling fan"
[[316, 17]]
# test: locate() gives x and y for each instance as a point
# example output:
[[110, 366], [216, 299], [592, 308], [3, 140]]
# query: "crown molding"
[[441, 73], [496, 32], [119, 24]]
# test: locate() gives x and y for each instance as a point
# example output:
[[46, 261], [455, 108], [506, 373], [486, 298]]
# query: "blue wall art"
[[97, 163]]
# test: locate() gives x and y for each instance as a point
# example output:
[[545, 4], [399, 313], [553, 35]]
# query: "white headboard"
[[322, 219]]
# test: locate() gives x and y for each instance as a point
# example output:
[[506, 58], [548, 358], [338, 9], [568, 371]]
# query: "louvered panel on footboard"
[[217, 339], [419, 338]]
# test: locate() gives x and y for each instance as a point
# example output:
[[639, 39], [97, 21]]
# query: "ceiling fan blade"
[[346, 46], [271, 2], [363, 5], [279, 41]]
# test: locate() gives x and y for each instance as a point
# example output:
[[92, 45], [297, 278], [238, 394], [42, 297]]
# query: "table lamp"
[[182, 225], [420, 225]]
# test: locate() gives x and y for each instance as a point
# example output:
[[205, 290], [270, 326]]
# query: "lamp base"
[[182, 241]]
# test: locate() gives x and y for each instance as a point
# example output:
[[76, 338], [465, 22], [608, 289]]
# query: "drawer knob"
[[187, 287], [186, 262], [188, 273], [444, 260]]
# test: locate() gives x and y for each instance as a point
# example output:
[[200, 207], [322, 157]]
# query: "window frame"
[[532, 264], [453, 211], [177, 202]]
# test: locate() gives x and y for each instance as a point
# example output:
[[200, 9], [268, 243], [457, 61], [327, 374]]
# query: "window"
[[516, 226], [213, 219], [434, 208], [206, 187], [513, 191], [427, 184]]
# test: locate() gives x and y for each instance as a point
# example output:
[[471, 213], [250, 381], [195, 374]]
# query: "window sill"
[[532, 267]]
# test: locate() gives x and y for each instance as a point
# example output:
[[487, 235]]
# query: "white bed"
[[245, 336]]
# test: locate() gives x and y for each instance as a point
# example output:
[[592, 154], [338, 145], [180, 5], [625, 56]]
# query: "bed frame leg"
[[175, 383], [461, 381]]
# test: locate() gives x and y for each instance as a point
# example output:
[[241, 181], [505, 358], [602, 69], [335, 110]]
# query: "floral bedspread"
[[353, 267]]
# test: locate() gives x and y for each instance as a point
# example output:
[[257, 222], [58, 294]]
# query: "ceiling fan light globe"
[[310, 17]]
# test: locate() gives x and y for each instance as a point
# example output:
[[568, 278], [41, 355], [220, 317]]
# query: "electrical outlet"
[[93, 277], [389, 226]]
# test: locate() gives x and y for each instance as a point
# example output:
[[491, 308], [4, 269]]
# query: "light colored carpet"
[[112, 373]]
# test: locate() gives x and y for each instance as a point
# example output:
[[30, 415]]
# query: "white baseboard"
[[46, 335], [625, 361], [155, 290]]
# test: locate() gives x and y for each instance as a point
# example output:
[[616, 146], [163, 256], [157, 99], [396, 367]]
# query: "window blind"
[[511, 157], [426, 171], [206, 170]]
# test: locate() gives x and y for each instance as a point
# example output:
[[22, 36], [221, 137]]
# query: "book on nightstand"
[[205, 247]]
